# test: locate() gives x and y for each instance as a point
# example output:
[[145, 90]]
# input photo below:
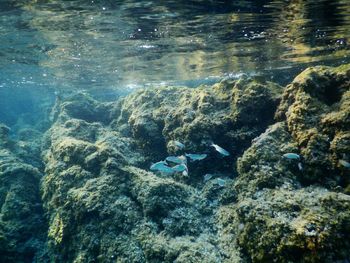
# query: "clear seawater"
[[91, 44], [111, 47], [87, 202]]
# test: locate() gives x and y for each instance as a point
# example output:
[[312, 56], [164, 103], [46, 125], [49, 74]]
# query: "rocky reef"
[[298, 210], [104, 204], [21, 240], [95, 199]]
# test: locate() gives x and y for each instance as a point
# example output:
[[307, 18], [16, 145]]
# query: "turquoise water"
[[126, 44], [109, 48], [174, 131]]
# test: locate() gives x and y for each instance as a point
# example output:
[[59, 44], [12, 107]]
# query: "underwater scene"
[[194, 131]]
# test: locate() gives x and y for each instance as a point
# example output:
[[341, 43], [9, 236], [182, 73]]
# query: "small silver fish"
[[179, 145], [291, 156], [221, 182], [196, 157], [344, 163], [207, 177], [300, 166], [221, 150], [185, 173], [176, 159]]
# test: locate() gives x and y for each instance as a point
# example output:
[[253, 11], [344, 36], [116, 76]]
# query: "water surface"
[[119, 44]]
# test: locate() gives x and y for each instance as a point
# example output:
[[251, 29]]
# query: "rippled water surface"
[[120, 44]]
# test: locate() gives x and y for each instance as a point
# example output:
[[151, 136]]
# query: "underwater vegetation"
[[241, 171]]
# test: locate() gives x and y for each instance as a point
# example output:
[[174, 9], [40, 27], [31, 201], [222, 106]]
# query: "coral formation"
[[103, 204]]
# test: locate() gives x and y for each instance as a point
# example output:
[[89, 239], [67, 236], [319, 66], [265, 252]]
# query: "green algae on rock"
[[291, 225], [99, 200], [4, 134], [284, 213], [316, 106], [22, 222], [104, 205], [230, 113]]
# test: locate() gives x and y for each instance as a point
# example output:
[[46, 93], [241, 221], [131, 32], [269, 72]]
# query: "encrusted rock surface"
[[316, 108], [22, 222], [102, 203], [297, 210], [230, 113]]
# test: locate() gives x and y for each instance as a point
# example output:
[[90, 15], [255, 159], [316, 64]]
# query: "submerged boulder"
[[290, 225], [21, 212], [316, 108], [102, 206], [4, 134], [230, 113], [297, 209], [286, 200]]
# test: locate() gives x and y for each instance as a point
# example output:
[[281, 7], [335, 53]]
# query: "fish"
[[221, 150], [179, 168], [179, 145], [162, 167], [185, 173], [166, 170], [291, 156], [300, 166], [221, 182], [344, 163], [196, 157], [176, 159], [157, 165], [207, 177]]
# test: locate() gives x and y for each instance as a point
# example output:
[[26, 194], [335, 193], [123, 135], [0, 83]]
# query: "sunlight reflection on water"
[[82, 45]]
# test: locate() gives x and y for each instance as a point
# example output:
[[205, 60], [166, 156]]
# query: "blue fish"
[[221, 150], [207, 177], [161, 167], [157, 165], [179, 168], [196, 157], [167, 170], [175, 159], [344, 163], [221, 182], [179, 145], [291, 156]]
